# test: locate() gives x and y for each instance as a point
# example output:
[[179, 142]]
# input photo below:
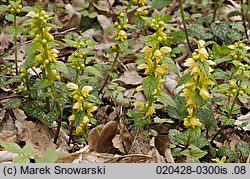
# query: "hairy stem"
[[111, 70], [15, 42]]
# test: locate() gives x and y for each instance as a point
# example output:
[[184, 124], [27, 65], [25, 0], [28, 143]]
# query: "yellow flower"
[[85, 120], [190, 62], [218, 160], [203, 54], [165, 50], [72, 117], [78, 130], [201, 43], [195, 122], [204, 93], [85, 90], [161, 70], [151, 111], [158, 54], [147, 51], [77, 105], [186, 123], [139, 104], [31, 14], [72, 86], [139, 88], [90, 110]]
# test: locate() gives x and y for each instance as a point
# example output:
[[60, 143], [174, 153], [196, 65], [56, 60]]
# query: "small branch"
[[184, 24]]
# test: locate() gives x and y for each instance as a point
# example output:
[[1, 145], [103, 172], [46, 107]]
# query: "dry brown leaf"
[[5, 40], [100, 138], [72, 19], [104, 21], [130, 78], [122, 140], [9, 136], [32, 134], [19, 114], [118, 143]]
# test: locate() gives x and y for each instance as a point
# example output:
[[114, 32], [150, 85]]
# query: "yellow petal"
[[204, 93], [189, 62], [78, 130], [85, 119], [139, 88], [151, 111], [72, 86], [142, 66], [165, 50], [201, 43], [157, 53], [72, 117], [85, 90], [139, 104], [146, 50], [77, 105], [31, 14]]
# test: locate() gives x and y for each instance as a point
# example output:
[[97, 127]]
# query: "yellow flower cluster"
[[120, 27], [81, 105], [200, 80], [141, 12], [192, 122], [46, 54], [159, 26], [238, 50], [148, 110], [138, 2], [152, 59]]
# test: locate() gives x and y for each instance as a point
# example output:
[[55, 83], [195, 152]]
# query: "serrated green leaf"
[[221, 88], [194, 132], [92, 70], [226, 121], [11, 147], [194, 152], [198, 31], [28, 150], [150, 40], [93, 99], [180, 110], [184, 79], [159, 4], [204, 67], [206, 116], [171, 65], [51, 117], [242, 148], [13, 103], [177, 137], [165, 99], [149, 84], [60, 66], [21, 159], [45, 83], [30, 53]]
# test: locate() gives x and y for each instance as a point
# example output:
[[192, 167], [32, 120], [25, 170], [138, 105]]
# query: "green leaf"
[[177, 137], [51, 117], [11, 30], [92, 15], [204, 67], [226, 121], [149, 84], [165, 99], [45, 83], [60, 66], [21, 159], [159, 4], [50, 156], [162, 120], [184, 79], [3, 8], [30, 52], [13, 103], [194, 152], [206, 116], [221, 88], [150, 40], [198, 31], [171, 65], [92, 70], [11, 147], [28, 150], [233, 13], [180, 110], [194, 132], [93, 99], [242, 148]]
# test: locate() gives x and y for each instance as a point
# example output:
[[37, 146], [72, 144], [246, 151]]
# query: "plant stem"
[[45, 90], [111, 70], [58, 108], [243, 14], [184, 23], [216, 5], [15, 43]]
